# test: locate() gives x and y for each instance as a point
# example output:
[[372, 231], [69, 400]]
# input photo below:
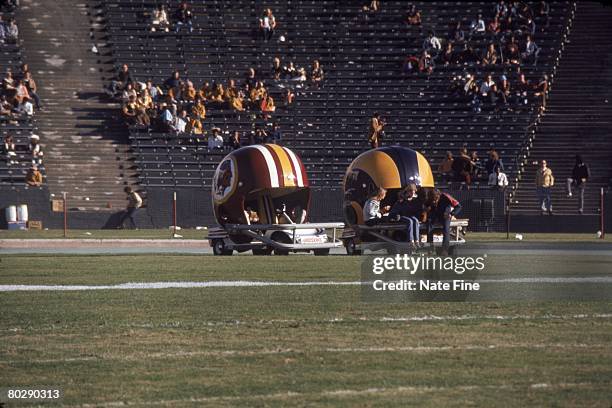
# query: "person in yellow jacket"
[[544, 183]]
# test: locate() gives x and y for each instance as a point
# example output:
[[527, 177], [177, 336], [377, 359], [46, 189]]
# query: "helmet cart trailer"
[[392, 168], [261, 199]]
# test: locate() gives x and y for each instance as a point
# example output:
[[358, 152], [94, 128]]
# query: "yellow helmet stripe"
[[287, 171]]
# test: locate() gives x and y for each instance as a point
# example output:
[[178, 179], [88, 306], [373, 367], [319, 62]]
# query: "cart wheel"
[[283, 239], [321, 252], [262, 251], [219, 247], [349, 244]]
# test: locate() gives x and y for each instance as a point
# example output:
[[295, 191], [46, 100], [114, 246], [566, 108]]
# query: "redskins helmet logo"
[[224, 181]]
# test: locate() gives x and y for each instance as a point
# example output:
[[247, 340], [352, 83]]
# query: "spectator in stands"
[[376, 131], [432, 43], [477, 25], [183, 17], [544, 183], [174, 84], [34, 177], [180, 122], [531, 51], [445, 167], [462, 168], [160, 19], [457, 35], [119, 83], [257, 94], [289, 97], [372, 212], [276, 136], [9, 86], [134, 114], [6, 109], [205, 92], [493, 163], [218, 93], [528, 27], [267, 105], [491, 57], [513, 56], [251, 79], [145, 101], [166, 118], [494, 26], [414, 16], [8, 149], [188, 91], [448, 56], [488, 90], [426, 64], [154, 91], [128, 93], [277, 69], [134, 203], [477, 166], [316, 74], [501, 9], [468, 55], [234, 141], [194, 126], [21, 93], [301, 76], [2, 31], [259, 136], [267, 25], [441, 208], [544, 13], [198, 109], [30, 84], [215, 139], [498, 180], [580, 175], [522, 91], [541, 91], [503, 91], [12, 32], [233, 96], [35, 150]]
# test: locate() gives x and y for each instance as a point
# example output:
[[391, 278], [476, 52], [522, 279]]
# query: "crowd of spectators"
[[505, 41], [467, 168], [177, 106], [18, 96]]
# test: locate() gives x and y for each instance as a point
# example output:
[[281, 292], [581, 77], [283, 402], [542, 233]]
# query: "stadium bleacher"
[[362, 60], [20, 127]]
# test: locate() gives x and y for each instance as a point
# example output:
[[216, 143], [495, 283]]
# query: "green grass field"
[[287, 346]]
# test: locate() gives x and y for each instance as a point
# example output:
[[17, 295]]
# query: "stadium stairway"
[[578, 116], [86, 151]]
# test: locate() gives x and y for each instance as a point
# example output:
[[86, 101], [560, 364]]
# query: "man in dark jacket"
[[580, 175], [408, 209], [441, 208]]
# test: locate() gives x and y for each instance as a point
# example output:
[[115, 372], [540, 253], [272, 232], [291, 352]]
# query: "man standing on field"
[[134, 203], [544, 183]]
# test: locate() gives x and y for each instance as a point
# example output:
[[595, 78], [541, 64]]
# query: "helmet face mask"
[[392, 168]]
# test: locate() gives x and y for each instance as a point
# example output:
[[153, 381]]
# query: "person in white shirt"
[[134, 203], [215, 140], [498, 180], [372, 213], [180, 123], [432, 43], [267, 24]]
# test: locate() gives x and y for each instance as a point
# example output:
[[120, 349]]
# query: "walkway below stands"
[[578, 117], [85, 144]]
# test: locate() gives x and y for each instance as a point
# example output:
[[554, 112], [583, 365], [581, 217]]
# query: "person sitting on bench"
[[372, 213], [442, 207], [407, 209]]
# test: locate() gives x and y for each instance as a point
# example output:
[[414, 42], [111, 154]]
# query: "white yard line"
[[225, 284]]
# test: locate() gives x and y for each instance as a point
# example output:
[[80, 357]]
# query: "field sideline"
[[279, 346]]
